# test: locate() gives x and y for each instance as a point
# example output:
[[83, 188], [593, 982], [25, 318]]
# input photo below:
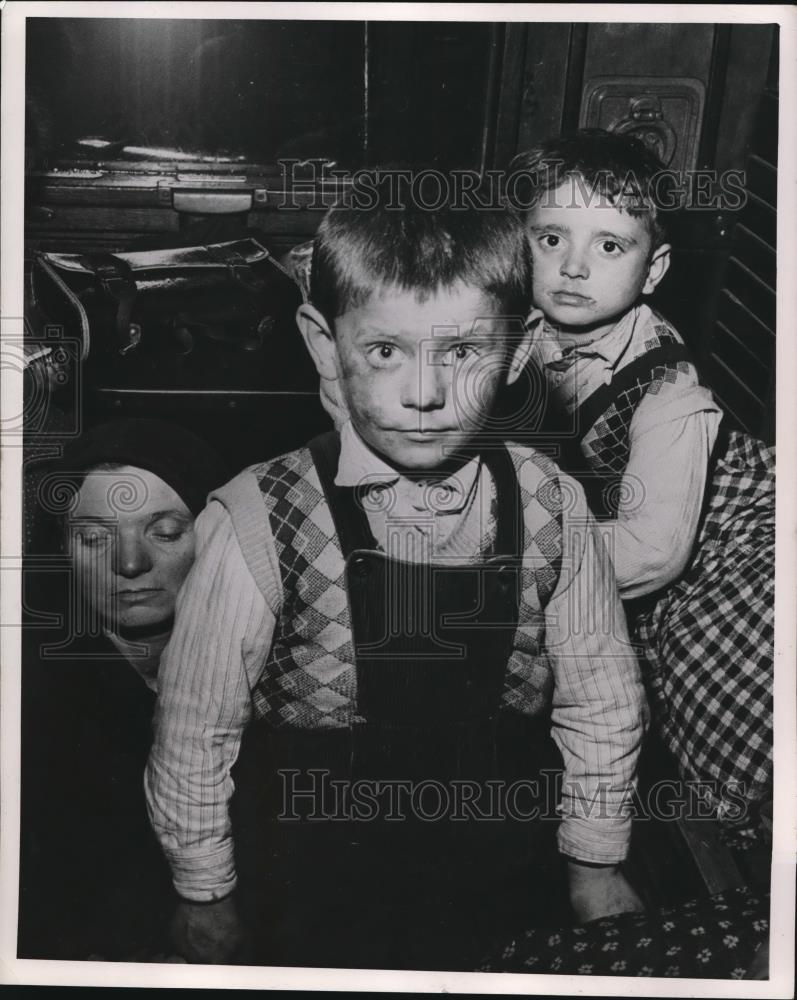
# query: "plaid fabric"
[[605, 444], [714, 938], [310, 676], [709, 640]]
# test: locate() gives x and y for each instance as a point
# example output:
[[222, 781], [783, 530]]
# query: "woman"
[[92, 879]]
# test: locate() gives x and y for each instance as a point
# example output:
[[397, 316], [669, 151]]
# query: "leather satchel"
[[216, 317]]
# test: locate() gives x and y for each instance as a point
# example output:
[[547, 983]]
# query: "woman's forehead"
[[126, 492]]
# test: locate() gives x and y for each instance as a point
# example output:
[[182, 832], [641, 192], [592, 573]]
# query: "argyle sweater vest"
[[309, 681], [605, 434]]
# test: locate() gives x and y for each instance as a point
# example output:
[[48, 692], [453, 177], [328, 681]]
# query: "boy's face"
[[419, 377], [592, 261]]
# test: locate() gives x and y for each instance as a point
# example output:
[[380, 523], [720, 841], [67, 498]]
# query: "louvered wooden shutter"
[[741, 359]]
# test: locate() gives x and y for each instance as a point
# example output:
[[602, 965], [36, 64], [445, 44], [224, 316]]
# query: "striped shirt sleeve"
[[663, 488], [222, 634], [599, 710]]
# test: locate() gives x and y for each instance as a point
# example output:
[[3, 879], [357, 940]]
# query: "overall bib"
[[380, 864]]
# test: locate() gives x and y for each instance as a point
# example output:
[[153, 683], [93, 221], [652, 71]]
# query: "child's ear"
[[657, 268], [319, 340]]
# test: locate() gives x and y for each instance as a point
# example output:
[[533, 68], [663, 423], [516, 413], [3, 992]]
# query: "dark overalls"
[[399, 881]]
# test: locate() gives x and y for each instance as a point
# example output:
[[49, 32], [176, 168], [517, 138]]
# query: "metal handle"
[[212, 202]]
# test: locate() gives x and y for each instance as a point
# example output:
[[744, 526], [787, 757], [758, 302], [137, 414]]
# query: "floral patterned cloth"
[[712, 938]]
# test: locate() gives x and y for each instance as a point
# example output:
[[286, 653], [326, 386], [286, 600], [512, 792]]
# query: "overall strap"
[[638, 372], [351, 522], [509, 529]]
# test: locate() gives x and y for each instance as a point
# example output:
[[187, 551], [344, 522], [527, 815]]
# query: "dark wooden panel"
[[545, 76], [761, 219], [751, 292], [745, 410], [90, 217], [748, 56], [755, 254], [649, 50], [755, 369], [765, 134], [762, 180], [749, 330]]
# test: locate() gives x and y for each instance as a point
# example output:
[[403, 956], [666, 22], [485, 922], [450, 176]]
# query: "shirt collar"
[[360, 466], [550, 344]]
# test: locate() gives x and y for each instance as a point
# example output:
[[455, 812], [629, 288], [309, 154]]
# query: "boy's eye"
[[463, 351], [611, 246], [382, 354]]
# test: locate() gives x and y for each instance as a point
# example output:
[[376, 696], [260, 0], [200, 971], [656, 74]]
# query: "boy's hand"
[[207, 933], [600, 892]]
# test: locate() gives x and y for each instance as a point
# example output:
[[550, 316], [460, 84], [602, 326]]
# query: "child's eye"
[[382, 355], [463, 351], [550, 240], [611, 247]]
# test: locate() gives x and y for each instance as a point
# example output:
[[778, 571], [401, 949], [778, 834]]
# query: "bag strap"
[[116, 280], [239, 268]]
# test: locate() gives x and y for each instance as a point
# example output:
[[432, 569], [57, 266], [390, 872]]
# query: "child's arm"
[[222, 633], [671, 437], [599, 714]]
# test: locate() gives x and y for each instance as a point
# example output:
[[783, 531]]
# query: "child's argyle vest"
[[603, 420], [310, 677]]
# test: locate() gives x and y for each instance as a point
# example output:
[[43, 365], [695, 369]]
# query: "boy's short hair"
[[416, 249], [620, 168]]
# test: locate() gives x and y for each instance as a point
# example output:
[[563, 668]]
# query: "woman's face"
[[131, 539]]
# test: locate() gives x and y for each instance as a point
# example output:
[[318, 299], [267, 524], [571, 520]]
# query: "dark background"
[[448, 94]]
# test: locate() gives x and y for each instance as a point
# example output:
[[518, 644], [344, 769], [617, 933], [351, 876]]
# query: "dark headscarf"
[[176, 455]]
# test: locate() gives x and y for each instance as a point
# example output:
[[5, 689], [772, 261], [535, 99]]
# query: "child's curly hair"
[[619, 168]]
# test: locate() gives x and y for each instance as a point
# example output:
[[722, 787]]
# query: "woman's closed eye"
[[169, 529]]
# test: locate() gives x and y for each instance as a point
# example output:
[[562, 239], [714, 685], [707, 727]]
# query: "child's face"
[[592, 261], [419, 377]]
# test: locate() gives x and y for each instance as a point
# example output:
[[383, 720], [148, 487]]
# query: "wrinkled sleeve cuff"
[[203, 875], [601, 841]]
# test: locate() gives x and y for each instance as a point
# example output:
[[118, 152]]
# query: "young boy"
[[395, 602], [691, 507]]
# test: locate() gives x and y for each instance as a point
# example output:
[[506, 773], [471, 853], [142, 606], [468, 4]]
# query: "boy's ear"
[[319, 340], [657, 268], [521, 350]]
